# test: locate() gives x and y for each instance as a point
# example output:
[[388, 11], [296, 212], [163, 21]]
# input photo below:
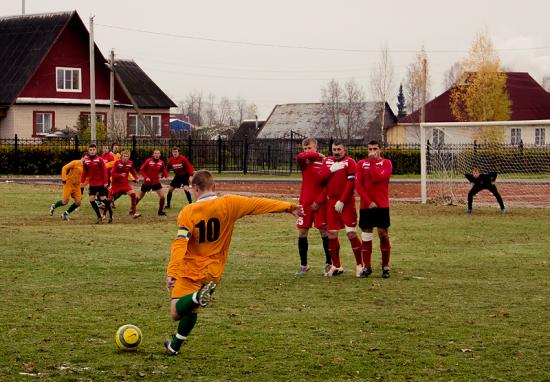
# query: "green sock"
[[185, 326], [59, 203], [72, 208], [186, 304]]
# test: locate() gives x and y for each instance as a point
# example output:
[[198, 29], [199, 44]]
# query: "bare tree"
[[453, 75], [414, 84], [193, 107], [210, 110], [381, 85], [239, 109], [354, 98], [119, 131], [331, 98], [251, 111], [225, 111]]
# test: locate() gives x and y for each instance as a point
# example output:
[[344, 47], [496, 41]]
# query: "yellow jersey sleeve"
[[242, 206]]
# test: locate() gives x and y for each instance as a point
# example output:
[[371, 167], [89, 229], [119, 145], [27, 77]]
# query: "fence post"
[[291, 151], [15, 156], [219, 154], [245, 155], [190, 150], [269, 157]]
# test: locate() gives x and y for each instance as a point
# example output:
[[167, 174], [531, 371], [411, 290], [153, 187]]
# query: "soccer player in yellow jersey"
[[199, 251], [70, 176]]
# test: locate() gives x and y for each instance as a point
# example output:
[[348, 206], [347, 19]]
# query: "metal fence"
[[257, 156]]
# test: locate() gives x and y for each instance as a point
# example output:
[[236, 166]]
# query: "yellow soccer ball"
[[128, 337]]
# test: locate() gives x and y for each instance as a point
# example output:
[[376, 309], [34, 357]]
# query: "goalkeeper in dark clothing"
[[483, 182]]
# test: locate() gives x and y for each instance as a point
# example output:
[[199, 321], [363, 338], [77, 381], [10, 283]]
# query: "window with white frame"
[[137, 127], [515, 135], [438, 137], [43, 122], [540, 136], [68, 80]]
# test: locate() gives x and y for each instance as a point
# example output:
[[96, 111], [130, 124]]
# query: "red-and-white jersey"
[[120, 172], [312, 188], [94, 169], [372, 180], [340, 184], [180, 165], [153, 169]]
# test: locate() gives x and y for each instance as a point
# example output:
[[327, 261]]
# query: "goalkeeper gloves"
[[339, 206], [337, 166]]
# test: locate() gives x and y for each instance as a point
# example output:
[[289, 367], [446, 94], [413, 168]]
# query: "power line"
[[302, 47]]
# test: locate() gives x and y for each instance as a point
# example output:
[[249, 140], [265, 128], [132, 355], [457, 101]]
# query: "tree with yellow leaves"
[[480, 94]]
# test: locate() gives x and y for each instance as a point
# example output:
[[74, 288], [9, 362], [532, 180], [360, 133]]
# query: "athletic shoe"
[[385, 273], [169, 350], [167, 207], [65, 216], [503, 211], [110, 220], [303, 270], [162, 213], [136, 215], [469, 211], [359, 271], [326, 269], [334, 271], [367, 272], [205, 293], [52, 208]]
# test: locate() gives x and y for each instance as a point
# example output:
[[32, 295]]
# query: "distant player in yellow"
[[70, 176], [200, 249]]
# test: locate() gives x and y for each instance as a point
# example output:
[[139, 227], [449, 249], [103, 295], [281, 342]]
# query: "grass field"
[[468, 300]]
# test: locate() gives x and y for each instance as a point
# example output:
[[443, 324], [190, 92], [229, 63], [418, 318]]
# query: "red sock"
[[133, 207], [356, 248], [385, 249], [334, 247], [366, 253]]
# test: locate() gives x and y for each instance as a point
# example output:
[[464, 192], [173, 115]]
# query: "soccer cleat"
[[504, 211], [65, 216], [52, 208], [167, 207], [110, 220], [162, 213], [136, 215], [204, 295], [367, 272], [359, 270], [334, 271], [169, 350], [469, 211], [326, 268], [303, 270], [385, 273]]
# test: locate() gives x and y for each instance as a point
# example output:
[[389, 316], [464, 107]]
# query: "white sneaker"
[[52, 208], [359, 271], [204, 295], [334, 271]]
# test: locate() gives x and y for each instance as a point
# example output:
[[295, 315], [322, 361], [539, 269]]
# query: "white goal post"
[[533, 135]]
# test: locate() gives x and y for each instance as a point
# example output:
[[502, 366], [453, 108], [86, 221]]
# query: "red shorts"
[[313, 218], [337, 220], [120, 189]]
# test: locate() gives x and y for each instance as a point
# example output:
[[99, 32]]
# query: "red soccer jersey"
[[340, 184], [372, 180], [153, 169], [312, 189], [120, 171], [94, 168], [180, 165], [108, 157]]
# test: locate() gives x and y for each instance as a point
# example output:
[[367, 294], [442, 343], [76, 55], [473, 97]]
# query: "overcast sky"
[[339, 39]]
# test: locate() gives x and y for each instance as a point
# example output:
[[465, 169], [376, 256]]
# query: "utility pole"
[[423, 159], [22, 7], [93, 119], [112, 91]]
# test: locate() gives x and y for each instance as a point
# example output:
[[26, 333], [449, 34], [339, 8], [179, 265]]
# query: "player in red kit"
[[372, 180], [152, 170], [120, 173], [183, 174], [313, 199], [94, 169], [338, 172]]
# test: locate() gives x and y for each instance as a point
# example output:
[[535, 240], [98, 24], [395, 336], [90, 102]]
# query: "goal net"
[[518, 151]]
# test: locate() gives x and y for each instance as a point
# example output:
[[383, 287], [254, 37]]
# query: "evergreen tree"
[[401, 103]]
